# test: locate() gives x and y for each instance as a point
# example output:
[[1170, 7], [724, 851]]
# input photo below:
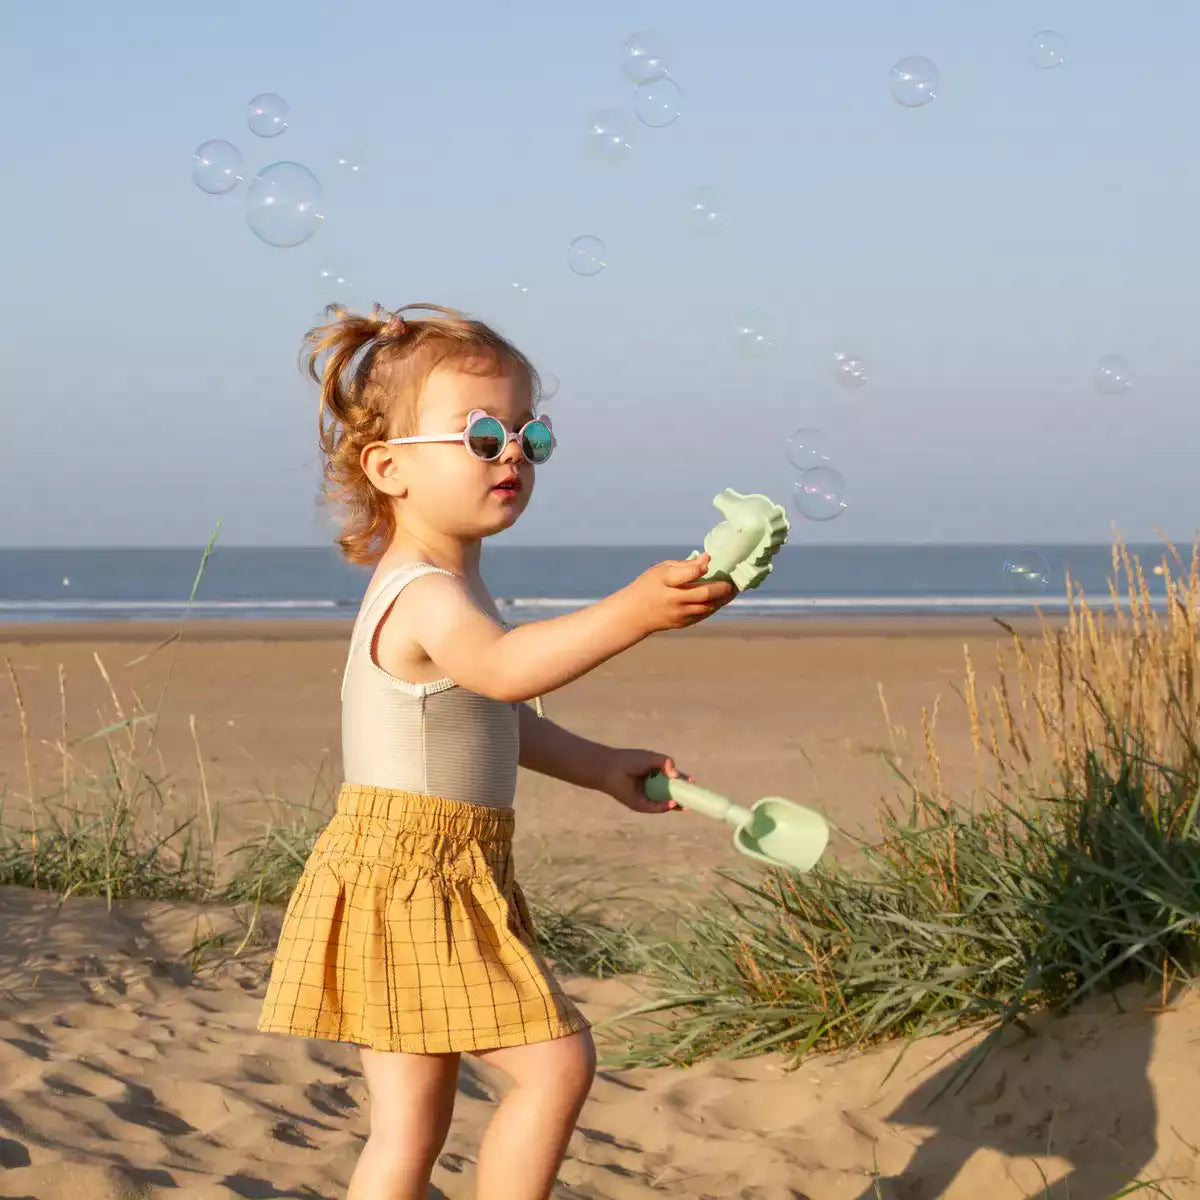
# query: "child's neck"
[[449, 553]]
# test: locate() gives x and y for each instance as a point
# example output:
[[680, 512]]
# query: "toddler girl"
[[407, 933]]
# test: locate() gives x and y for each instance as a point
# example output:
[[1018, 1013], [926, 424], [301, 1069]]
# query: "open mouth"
[[508, 486]]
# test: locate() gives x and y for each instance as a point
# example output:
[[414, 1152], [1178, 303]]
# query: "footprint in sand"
[[59, 1085], [13, 1154], [141, 1107], [332, 1099], [291, 1135]]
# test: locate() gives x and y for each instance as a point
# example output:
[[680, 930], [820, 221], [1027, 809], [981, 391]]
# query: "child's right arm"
[[468, 646]]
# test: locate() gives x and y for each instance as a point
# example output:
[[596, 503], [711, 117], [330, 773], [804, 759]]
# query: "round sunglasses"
[[487, 437]]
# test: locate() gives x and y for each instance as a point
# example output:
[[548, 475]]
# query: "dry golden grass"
[[1075, 866]]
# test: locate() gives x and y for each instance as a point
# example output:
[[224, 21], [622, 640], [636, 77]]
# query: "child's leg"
[[527, 1138], [412, 1101]]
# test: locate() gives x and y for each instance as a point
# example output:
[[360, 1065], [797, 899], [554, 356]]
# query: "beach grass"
[[1074, 869]]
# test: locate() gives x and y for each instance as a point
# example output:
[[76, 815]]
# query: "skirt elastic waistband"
[[418, 813]]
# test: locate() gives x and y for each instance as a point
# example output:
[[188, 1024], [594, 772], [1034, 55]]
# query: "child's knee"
[[563, 1067], [579, 1065]]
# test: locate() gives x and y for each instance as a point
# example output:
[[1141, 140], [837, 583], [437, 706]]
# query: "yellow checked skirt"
[[409, 932]]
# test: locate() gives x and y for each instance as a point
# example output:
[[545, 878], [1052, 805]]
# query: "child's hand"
[[624, 778], [668, 596]]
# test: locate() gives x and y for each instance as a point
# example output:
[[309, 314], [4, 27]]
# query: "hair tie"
[[389, 322]]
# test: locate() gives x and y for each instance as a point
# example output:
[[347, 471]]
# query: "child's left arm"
[[549, 749]]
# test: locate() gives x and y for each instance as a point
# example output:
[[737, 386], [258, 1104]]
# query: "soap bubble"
[[1112, 375], [755, 332], [819, 494], [658, 102], [1048, 49], [913, 81], [808, 448], [608, 136], [267, 115], [1027, 571], [349, 167], [850, 369], [521, 289], [550, 385], [705, 212], [586, 255], [216, 167], [644, 57], [281, 204], [333, 285]]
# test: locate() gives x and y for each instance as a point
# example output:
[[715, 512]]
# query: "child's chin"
[[499, 522]]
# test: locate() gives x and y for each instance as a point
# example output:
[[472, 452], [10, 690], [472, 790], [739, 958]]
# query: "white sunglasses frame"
[[465, 437]]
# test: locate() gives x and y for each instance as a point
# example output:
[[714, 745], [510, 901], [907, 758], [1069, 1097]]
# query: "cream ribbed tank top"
[[434, 738]]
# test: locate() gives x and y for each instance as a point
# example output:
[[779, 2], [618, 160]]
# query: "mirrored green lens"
[[486, 437], [536, 442]]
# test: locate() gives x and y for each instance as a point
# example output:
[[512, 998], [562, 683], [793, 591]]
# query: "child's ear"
[[381, 465]]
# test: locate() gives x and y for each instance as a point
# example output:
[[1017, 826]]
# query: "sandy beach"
[[125, 1073]]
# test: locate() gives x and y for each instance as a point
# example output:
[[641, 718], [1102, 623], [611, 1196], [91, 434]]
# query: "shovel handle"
[[691, 795]]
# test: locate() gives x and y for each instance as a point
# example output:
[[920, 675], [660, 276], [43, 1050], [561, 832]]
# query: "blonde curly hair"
[[371, 368]]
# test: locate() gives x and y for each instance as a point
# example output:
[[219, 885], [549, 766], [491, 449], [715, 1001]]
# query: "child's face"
[[449, 489]]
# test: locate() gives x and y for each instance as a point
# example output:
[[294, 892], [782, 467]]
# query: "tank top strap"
[[393, 584]]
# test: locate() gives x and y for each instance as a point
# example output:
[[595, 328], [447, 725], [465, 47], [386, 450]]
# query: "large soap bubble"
[[267, 115], [658, 102], [913, 81], [587, 255], [808, 448], [216, 167], [820, 494], [282, 204]]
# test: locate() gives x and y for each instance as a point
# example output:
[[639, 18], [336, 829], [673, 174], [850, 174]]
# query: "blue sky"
[[983, 251]]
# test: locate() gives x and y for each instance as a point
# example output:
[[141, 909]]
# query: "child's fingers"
[[688, 571]]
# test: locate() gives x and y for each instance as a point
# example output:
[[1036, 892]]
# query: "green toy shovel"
[[774, 830]]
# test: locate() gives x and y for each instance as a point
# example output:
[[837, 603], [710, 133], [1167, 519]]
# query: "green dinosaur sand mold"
[[743, 544]]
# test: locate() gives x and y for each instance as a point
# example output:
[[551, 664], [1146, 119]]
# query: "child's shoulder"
[[387, 570]]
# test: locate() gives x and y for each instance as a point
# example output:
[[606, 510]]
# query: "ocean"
[[529, 582]]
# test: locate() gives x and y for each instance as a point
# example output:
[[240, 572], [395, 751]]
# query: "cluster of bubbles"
[[914, 81], [657, 100], [283, 200], [611, 134], [283, 208], [819, 491]]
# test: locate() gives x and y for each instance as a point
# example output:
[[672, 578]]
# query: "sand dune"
[[126, 1075]]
